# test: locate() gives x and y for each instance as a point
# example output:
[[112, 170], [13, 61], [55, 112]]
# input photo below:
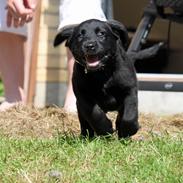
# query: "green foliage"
[[1, 89], [70, 159]]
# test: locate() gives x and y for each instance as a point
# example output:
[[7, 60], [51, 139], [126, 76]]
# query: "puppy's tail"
[[145, 53]]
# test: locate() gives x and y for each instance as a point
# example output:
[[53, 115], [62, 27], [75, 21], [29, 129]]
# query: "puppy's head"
[[93, 43]]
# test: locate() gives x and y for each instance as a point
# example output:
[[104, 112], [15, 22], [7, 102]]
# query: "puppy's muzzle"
[[90, 47]]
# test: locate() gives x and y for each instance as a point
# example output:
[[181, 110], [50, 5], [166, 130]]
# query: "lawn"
[[74, 160], [43, 146]]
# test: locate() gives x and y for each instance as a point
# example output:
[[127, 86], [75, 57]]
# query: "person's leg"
[[70, 100], [12, 68]]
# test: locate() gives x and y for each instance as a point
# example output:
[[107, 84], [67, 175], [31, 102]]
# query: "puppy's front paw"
[[128, 129]]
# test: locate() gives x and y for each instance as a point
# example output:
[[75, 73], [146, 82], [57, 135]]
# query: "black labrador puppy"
[[104, 77]]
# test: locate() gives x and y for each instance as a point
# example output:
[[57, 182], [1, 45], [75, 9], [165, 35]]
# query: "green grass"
[[157, 160], [1, 88]]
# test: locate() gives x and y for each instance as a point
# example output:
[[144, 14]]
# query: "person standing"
[[12, 54]]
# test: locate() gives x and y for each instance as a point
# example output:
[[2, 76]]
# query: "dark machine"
[[155, 9], [170, 10]]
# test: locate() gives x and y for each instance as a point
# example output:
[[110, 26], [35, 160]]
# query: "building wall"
[[51, 80]]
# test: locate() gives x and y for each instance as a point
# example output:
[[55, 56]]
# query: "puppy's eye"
[[82, 33], [100, 33]]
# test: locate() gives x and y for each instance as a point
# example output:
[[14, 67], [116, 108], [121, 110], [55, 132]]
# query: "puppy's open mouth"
[[92, 61]]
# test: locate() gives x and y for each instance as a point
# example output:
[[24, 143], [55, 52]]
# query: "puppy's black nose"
[[90, 46]]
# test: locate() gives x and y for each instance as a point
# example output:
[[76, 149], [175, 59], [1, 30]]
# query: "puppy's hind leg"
[[127, 119]]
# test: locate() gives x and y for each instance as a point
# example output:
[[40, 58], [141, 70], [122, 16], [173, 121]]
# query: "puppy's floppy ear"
[[119, 29], [65, 34]]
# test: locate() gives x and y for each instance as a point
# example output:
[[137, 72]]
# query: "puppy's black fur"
[[104, 77]]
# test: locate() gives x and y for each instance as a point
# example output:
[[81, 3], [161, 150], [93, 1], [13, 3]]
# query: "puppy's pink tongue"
[[93, 64], [92, 61]]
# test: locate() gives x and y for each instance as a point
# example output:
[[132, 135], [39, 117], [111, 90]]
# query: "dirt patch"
[[37, 122], [48, 122]]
